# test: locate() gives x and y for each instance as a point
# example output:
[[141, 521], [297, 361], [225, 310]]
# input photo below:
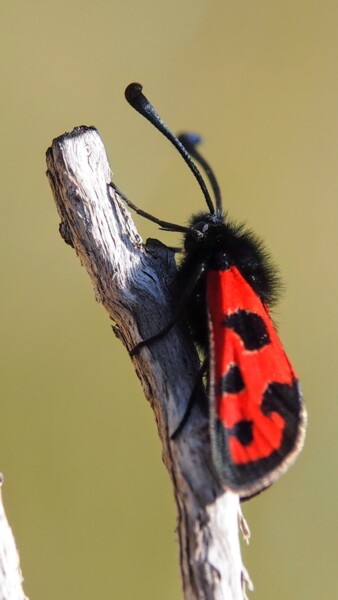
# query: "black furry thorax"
[[221, 243]]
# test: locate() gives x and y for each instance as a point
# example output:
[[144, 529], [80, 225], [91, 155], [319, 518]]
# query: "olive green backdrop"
[[85, 489]]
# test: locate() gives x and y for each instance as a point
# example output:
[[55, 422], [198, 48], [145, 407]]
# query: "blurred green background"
[[85, 489]]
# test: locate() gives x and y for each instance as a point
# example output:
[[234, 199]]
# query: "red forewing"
[[256, 411]]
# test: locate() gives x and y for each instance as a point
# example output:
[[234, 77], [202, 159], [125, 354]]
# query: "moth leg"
[[163, 224], [175, 249], [192, 399], [181, 306]]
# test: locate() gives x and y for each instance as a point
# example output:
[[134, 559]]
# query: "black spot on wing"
[[278, 397], [243, 432], [283, 399], [250, 327], [232, 382]]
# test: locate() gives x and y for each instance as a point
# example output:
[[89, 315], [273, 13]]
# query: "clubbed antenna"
[[138, 101], [190, 141]]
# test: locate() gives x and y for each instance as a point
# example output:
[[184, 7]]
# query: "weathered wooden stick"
[[134, 283], [10, 572]]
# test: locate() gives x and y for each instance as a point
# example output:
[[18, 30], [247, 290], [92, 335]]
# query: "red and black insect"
[[226, 284]]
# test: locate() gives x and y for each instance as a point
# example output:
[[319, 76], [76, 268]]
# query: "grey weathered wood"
[[10, 573], [134, 283]]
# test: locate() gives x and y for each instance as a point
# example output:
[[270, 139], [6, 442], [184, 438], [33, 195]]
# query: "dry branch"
[[10, 572], [134, 284]]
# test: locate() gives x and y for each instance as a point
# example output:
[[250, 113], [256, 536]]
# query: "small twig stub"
[[10, 573]]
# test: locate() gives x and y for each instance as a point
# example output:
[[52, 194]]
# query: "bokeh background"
[[85, 489]]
